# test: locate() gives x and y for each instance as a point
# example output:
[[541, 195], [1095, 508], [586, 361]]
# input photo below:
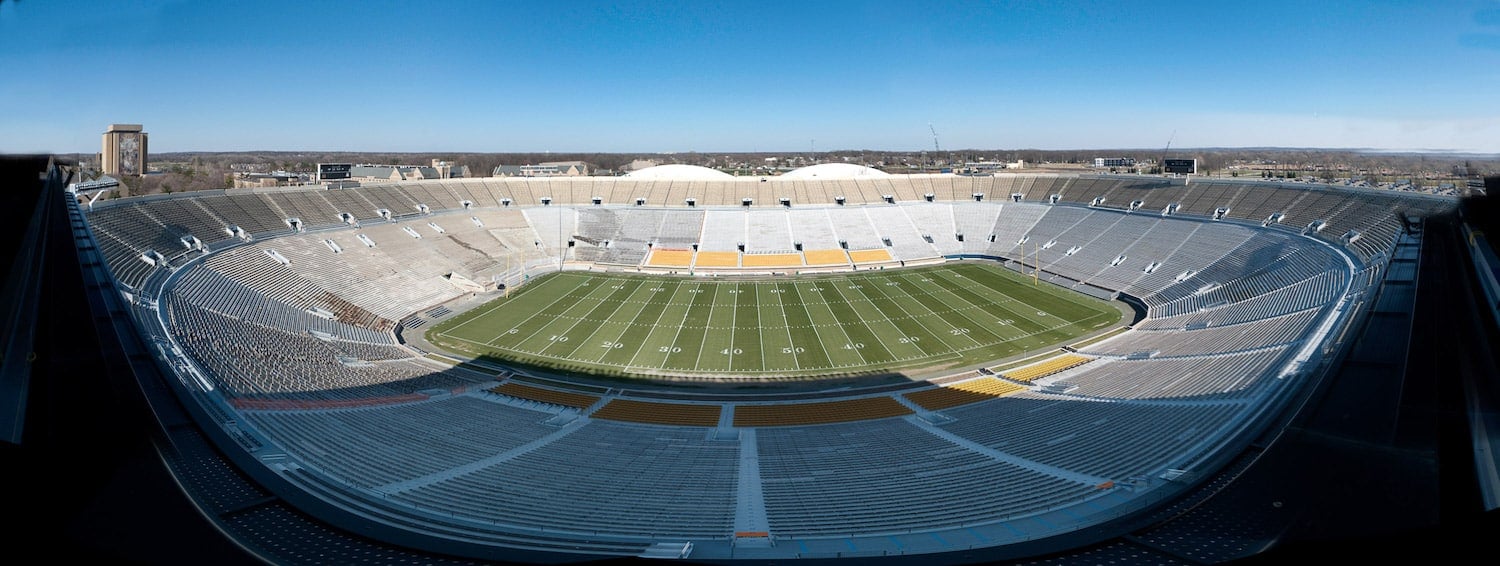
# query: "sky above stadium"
[[752, 76]]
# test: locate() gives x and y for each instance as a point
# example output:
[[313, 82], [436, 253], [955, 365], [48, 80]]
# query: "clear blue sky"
[[753, 76]]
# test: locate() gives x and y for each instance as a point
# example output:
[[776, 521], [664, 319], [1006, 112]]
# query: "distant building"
[[982, 167], [124, 152], [1114, 162], [438, 170], [272, 179], [550, 169], [449, 169]]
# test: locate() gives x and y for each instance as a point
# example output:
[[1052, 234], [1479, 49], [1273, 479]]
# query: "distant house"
[[438, 170], [549, 169], [449, 169], [272, 179], [1114, 162]]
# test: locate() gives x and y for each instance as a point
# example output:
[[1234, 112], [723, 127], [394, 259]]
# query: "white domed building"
[[678, 171], [834, 171]]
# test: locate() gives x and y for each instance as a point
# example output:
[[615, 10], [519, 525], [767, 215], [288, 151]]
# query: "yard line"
[[847, 340], [587, 303], [637, 328], [935, 291], [941, 337], [497, 304], [818, 347], [1041, 324], [1051, 294], [647, 290], [568, 352], [485, 345], [761, 321], [522, 340], [873, 336], [1042, 328], [734, 314], [611, 319], [641, 329], [883, 318], [647, 338], [707, 326], [952, 299], [685, 312], [796, 361]]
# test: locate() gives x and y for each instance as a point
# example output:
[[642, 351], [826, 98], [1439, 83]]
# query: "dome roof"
[[678, 171], [834, 171]]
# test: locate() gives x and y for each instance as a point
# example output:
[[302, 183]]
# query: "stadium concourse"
[[268, 332]]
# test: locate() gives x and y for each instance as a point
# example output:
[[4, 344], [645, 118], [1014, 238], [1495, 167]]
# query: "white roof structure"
[[834, 171], [678, 171]]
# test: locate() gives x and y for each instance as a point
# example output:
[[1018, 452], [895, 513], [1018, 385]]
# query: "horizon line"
[[1448, 151]]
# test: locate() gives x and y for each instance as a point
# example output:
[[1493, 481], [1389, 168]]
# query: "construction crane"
[[1163, 161], [935, 149]]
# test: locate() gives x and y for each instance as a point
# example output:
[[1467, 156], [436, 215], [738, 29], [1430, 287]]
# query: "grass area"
[[847, 324]]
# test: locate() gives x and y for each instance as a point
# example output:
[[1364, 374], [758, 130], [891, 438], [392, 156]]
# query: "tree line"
[[196, 171]]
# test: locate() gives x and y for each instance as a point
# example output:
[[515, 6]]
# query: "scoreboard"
[[1187, 166], [329, 171]]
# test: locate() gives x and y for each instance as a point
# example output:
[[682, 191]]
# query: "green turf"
[[874, 321]]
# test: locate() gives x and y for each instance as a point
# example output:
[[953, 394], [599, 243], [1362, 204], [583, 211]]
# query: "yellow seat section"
[[963, 393], [870, 256], [670, 258], [826, 257], [1049, 367], [717, 259], [771, 260]]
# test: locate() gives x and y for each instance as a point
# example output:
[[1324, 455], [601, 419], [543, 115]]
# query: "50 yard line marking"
[[761, 321], [787, 323]]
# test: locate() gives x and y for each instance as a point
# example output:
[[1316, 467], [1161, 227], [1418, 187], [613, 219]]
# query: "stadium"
[[832, 364]]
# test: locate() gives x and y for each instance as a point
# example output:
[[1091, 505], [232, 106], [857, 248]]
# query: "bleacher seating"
[[545, 395], [1046, 368], [304, 360], [963, 393], [891, 476], [827, 257], [662, 257], [595, 480], [794, 414], [682, 414]]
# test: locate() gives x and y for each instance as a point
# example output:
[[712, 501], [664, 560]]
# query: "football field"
[[864, 322]]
